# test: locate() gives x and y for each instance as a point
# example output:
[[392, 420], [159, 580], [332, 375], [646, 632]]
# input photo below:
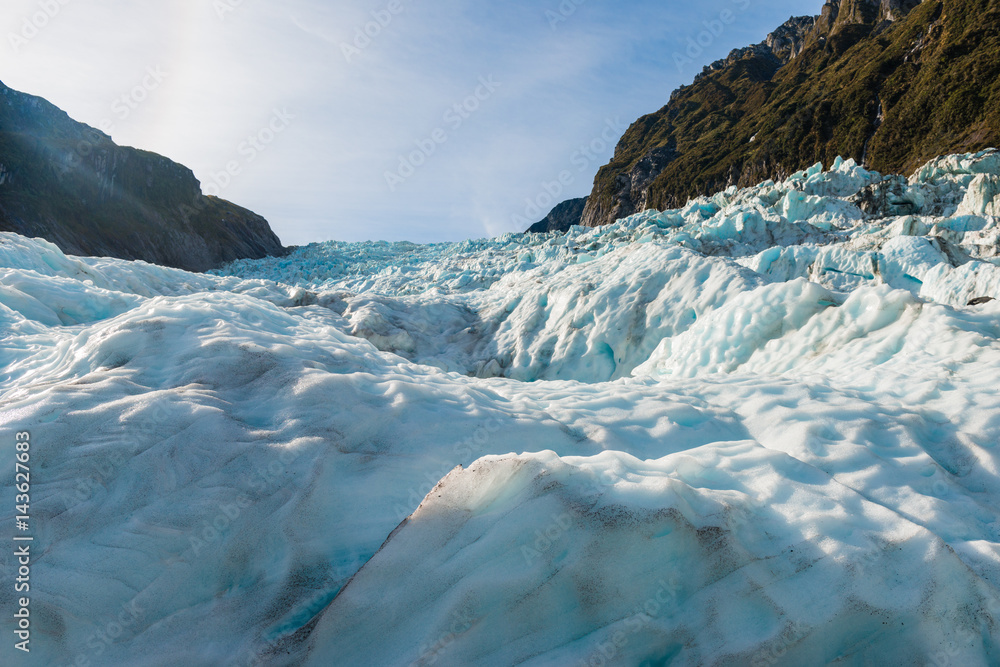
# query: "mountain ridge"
[[890, 83], [70, 184]]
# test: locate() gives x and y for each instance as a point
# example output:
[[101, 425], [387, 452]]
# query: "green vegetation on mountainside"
[[890, 94]]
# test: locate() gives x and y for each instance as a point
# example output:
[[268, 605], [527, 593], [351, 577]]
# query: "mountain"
[[561, 218], [70, 184], [890, 83]]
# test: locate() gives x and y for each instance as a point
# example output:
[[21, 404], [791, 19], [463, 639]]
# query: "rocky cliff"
[[890, 83], [70, 184], [561, 218]]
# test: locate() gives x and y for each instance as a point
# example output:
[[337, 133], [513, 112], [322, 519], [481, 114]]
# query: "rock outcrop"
[[781, 46], [561, 218]]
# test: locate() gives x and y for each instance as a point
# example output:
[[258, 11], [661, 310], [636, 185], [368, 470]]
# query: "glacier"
[[759, 429]]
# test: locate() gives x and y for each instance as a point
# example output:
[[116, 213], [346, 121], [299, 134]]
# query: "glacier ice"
[[758, 429]]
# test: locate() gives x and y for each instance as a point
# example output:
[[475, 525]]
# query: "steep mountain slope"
[[70, 184], [890, 84]]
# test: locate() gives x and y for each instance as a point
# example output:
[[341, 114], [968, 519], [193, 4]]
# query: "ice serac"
[[757, 429], [587, 306], [890, 84], [70, 184], [710, 556]]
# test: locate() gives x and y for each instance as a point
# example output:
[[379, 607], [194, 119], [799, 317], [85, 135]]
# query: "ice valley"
[[759, 430]]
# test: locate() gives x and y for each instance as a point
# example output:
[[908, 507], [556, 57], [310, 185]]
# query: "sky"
[[417, 120]]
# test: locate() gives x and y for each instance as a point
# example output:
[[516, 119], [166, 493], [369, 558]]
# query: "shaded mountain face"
[[561, 218], [890, 83], [70, 184]]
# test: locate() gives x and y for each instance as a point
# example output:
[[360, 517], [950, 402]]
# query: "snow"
[[759, 429], [646, 562]]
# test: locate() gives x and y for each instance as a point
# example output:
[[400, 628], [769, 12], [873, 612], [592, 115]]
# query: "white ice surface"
[[760, 429]]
